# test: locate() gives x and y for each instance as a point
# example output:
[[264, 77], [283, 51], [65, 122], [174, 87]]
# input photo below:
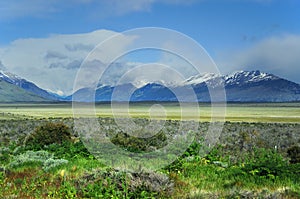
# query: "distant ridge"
[[241, 86], [17, 89], [12, 93]]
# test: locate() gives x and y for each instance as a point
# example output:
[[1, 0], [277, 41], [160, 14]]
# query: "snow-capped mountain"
[[241, 86], [236, 78], [256, 86], [26, 85], [201, 78], [9, 77], [242, 77], [248, 86]]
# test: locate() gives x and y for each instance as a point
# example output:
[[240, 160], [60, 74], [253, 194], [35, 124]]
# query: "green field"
[[245, 112], [41, 155]]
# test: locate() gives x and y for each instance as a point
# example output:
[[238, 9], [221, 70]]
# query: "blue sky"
[[238, 34]]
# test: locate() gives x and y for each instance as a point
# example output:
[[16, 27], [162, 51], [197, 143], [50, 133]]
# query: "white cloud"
[[2, 67], [12, 9], [52, 62], [277, 54], [37, 8], [122, 7], [16, 9]]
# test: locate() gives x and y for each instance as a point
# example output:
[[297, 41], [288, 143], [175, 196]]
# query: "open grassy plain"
[[235, 112]]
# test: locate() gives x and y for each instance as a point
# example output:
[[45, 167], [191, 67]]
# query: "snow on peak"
[[248, 76], [9, 77], [238, 77], [201, 78], [141, 83]]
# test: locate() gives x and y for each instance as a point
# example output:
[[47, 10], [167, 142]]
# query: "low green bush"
[[69, 150], [266, 163], [137, 144], [4, 154], [53, 163], [47, 134], [294, 154], [39, 158], [112, 183]]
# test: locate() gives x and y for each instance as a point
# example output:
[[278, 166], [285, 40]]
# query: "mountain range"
[[16, 89], [241, 86]]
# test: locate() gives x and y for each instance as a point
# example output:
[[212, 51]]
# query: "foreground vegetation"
[[50, 161]]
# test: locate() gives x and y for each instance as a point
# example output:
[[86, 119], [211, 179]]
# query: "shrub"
[[4, 154], [294, 154], [266, 163], [52, 163], [30, 157], [214, 154], [68, 150], [43, 158], [112, 183], [136, 144], [193, 150], [47, 134]]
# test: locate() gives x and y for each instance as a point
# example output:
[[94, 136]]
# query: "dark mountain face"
[[260, 87], [243, 86], [277, 90], [27, 86], [12, 93], [153, 92], [30, 87]]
